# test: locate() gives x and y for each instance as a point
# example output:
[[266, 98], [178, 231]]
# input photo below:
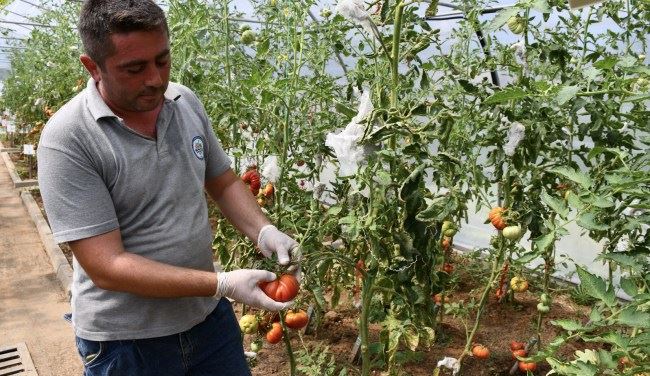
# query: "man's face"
[[134, 78]]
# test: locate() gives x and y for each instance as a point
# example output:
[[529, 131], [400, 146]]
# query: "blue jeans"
[[213, 347]]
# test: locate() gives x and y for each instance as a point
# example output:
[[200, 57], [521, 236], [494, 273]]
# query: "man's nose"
[[154, 77]]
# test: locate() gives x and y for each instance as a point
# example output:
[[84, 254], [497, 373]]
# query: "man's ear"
[[91, 67]]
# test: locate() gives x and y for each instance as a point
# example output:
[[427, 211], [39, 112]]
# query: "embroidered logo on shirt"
[[198, 147]]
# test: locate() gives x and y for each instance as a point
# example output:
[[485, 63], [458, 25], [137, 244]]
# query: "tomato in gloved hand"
[[283, 289]]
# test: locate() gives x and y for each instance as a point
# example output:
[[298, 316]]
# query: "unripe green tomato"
[[450, 232], [545, 299], [325, 12], [513, 21], [543, 308], [248, 324], [449, 228], [256, 346], [512, 232], [248, 37]]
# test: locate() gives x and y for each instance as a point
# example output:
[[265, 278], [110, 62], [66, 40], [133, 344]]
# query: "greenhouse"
[[352, 187]]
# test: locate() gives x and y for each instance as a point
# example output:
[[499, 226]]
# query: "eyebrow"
[[133, 63]]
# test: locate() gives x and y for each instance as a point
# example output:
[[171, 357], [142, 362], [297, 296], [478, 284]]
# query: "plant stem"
[[367, 290], [287, 344], [394, 61], [488, 287]]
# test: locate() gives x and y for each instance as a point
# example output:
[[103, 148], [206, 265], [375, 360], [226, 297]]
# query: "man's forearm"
[[128, 272]]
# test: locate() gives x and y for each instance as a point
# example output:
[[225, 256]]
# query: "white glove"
[[242, 286], [271, 240]]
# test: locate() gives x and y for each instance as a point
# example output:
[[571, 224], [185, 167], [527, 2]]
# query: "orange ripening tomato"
[[274, 335], [448, 268], [481, 352], [268, 190], [496, 217], [283, 289], [525, 366], [446, 243], [296, 319], [252, 179]]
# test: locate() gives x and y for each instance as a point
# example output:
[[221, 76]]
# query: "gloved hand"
[[271, 240], [242, 286]]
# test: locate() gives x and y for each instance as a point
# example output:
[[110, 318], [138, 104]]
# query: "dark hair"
[[101, 18]]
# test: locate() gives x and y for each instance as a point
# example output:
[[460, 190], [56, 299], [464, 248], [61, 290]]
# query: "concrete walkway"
[[32, 302]]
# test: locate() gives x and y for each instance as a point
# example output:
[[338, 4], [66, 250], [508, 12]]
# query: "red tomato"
[[514, 345], [283, 289], [519, 353], [448, 268], [274, 335], [525, 367], [296, 319], [252, 178], [481, 352]]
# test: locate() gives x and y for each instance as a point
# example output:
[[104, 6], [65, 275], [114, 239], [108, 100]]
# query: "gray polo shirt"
[[97, 175]]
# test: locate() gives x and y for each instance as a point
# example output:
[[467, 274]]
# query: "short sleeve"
[[216, 160], [77, 202]]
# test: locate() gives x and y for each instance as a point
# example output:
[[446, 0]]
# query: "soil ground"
[[500, 324]]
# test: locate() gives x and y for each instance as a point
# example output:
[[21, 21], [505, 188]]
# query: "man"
[[122, 170]]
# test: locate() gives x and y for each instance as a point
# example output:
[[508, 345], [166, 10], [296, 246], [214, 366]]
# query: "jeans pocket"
[[90, 351]]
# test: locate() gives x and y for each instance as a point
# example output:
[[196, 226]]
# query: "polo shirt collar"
[[99, 109]]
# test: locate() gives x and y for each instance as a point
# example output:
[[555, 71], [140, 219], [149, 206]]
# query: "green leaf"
[[611, 337], [637, 98], [507, 94], [595, 287], [642, 339], [575, 201], [573, 175], [600, 201], [432, 9], [636, 319], [628, 285], [385, 7], [502, 17], [623, 260], [345, 110], [565, 94], [544, 241], [541, 6], [568, 325], [606, 63], [588, 221], [412, 182], [411, 337], [557, 205]]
